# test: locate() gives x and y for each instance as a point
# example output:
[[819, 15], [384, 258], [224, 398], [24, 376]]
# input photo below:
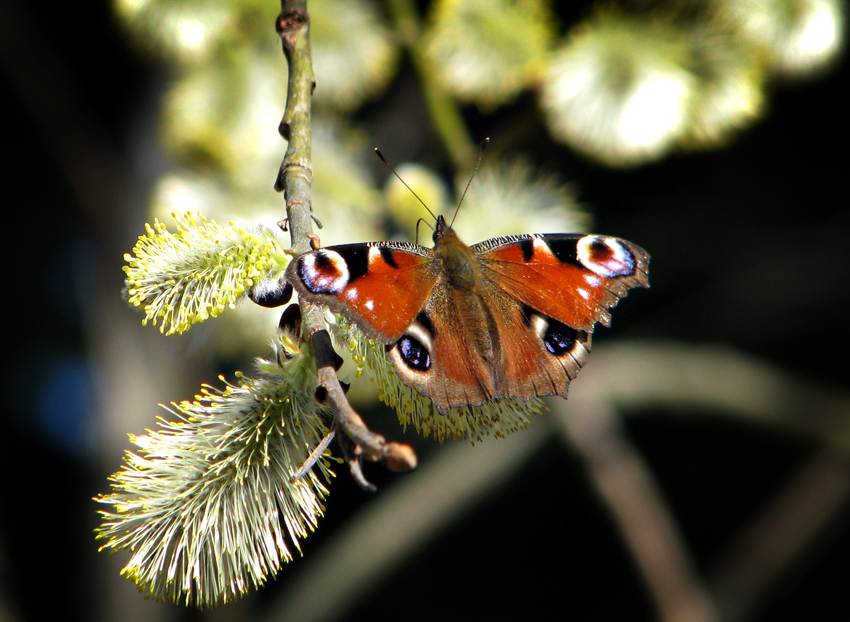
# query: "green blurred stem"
[[445, 113]]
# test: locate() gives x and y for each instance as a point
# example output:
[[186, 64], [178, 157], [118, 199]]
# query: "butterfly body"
[[508, 317]]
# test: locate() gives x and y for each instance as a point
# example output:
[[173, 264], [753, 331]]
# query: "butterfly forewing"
[[379, 286], [573, 278]]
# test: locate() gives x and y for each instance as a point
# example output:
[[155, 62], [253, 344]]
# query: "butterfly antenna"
[[484, 144], [384, 160]]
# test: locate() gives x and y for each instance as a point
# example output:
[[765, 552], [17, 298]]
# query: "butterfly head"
[[444, 236], [441, 229]]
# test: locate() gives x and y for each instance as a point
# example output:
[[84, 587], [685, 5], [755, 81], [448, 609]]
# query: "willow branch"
[[686, 379], [296, 173], [788, 527], [678, 378], [625, 483], [295, 179]]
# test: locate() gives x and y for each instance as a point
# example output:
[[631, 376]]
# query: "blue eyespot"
[[414, 354], [559, 338]]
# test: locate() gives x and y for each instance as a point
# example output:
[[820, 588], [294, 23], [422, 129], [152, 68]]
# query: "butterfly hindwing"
[[508, 349]]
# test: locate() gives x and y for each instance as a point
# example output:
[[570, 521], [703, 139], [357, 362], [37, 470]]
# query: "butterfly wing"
[[379, 286], [534, 306], [522, 330], [572, 278]]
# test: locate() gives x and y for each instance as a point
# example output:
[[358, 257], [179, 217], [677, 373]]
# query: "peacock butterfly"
[[507, 317]]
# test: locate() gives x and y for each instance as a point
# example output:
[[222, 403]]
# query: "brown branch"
[[781, 534], [634, 376], [678, 377], [626, 485], [295, 179]]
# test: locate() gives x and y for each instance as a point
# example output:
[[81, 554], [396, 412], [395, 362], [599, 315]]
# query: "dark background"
[[750, 248]]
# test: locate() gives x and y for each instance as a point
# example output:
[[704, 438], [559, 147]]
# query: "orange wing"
[[379, 286], [573, 278]]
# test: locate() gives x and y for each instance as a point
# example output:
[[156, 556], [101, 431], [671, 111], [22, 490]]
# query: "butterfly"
[[507, 317]]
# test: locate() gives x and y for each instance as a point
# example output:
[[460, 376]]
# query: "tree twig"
[[681, 378], [295, 179], [781, 534], [623, 481]]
